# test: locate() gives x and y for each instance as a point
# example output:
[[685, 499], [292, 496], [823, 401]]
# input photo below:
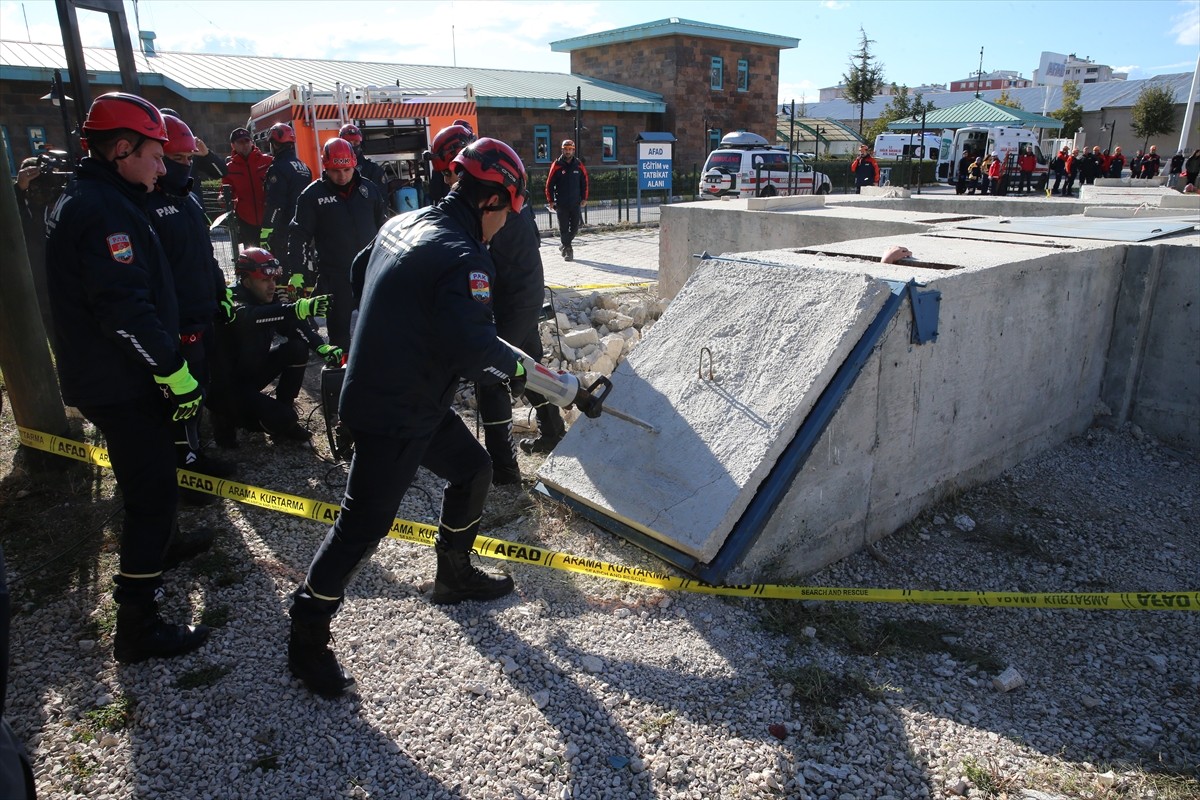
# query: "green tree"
[[1070, 113], [865, 78], [899, 107], [1005, 99], [1154, 113]]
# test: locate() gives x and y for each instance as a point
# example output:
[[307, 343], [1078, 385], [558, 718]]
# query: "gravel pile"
[[581, 688]]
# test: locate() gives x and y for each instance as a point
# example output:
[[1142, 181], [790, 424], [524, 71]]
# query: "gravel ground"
[[580, 688]]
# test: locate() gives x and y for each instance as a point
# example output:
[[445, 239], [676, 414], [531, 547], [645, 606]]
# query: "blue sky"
[[918, 42]]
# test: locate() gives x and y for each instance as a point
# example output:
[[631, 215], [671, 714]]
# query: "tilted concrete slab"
[[776, 336]]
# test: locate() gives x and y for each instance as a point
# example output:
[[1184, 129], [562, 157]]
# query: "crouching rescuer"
[[266, 339], [424, 323]]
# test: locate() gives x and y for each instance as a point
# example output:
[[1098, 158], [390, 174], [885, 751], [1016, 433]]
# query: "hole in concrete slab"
[[907, 262], [950, 219]]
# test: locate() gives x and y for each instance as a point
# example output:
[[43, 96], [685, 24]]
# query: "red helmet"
[[120, 111], [351, 134], [447, 143], [182, 140], [338, 154], [281, 133], [493, 161], [258, 263]]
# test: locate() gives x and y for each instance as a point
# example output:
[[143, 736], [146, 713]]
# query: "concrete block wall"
[[1017, 368], [726, 226]]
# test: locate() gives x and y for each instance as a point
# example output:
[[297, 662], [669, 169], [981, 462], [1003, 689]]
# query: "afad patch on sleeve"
[[121, 248], [481, 289]]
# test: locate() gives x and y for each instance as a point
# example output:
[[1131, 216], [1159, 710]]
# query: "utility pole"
[[979, 75], [25, 360]]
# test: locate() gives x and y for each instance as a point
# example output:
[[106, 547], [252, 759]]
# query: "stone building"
[[713, 79]]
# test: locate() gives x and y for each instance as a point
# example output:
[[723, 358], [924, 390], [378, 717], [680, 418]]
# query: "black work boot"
[[458, 580], [311, 660], [224, 431], [497, 438], [197, 461], [186, 545], [141, 634], [551, 430]]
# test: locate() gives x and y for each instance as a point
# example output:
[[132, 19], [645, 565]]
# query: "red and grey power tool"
[[564, 390]]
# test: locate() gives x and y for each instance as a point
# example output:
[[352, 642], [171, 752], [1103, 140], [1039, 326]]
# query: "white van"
[[736, 168], [895, 146], [983, 140]]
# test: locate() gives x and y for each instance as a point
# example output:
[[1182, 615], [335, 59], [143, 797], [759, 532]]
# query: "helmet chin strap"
[[141, 141]]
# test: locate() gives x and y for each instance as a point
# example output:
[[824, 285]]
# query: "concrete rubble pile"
[[591, 335]]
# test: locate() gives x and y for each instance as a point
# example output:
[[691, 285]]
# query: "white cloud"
[[1129, 68], [1186, 25], [834, 5]]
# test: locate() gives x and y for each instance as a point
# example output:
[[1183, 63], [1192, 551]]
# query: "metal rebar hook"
[[700, 368]]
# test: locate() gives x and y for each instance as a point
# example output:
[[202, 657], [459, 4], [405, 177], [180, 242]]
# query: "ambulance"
[[895, 146], [1003, 140], [397, 123]]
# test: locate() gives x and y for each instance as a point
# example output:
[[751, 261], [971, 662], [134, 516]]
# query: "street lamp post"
[[817, 131], [58, 96], [921, 160], [1112, 129], [576, 104]]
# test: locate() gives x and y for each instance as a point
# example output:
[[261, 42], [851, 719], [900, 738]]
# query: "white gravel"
[[580, 688]]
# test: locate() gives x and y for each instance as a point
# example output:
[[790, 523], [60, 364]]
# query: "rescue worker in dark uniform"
[[366, 167], [517, 301], [200, 288], [425, 322], [266, 340], [286, 178], [567, 194], [340, 214], [963, 167], [118, 358]]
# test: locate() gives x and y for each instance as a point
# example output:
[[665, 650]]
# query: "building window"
[[608, 141], [37, 139], [716, 79], [714, 139], [12, 164], [743, 75], [541, 144]]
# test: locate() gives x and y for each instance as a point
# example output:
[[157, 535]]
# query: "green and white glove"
[[333, 355], [182, 392], [313, 306], [225, 305]]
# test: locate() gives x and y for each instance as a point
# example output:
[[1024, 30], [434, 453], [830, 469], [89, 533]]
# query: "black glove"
[[516, 384]]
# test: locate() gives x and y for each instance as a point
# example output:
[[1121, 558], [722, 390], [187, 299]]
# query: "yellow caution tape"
[[593, 286], [420, 533]]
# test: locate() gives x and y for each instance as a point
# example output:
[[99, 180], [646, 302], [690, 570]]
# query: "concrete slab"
[[776, 336], [1135, 229]]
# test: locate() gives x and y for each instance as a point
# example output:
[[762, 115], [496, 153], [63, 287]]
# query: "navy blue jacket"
[[371, 170], [340, 221], [424, 321], [516, 252], [183, 230], [567, 183], [286, 178], [116, 322]]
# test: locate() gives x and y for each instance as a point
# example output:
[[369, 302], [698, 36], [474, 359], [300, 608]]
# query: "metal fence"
[[613, 195]]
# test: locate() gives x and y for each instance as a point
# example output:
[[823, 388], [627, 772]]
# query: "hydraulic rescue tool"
[[563, 389]]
